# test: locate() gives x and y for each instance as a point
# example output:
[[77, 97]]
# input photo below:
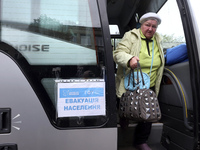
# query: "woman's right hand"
[[133, 62]]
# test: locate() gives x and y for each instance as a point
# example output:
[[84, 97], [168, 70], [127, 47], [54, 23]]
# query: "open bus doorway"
[[177, 98]]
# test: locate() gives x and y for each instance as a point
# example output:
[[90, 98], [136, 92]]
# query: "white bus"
[[57, 75]]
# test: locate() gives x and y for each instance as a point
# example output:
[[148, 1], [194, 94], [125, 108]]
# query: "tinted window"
[[52, 40]]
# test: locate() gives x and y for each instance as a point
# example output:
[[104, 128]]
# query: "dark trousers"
[[142, 132]]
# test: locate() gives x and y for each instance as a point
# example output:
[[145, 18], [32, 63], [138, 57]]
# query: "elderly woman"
[[137, 45]]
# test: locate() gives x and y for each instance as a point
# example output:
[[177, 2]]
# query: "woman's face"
[[148, 28]]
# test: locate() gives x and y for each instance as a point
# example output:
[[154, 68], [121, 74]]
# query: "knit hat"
[[150, 15]]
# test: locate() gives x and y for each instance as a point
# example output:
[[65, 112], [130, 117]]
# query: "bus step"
[[126, 138]]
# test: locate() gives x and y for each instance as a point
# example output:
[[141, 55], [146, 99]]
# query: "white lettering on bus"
[[34, 48]]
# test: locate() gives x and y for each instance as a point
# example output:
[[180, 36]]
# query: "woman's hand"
[[133, 62]]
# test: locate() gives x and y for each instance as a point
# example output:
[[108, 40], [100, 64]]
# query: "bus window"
[[50, 40], [171, 28], [114, 30], [69, 39]]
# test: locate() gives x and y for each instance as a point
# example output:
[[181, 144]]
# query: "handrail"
[[182, 96]]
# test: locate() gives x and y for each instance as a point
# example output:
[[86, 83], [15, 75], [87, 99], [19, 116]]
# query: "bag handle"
[[138, 67], [132, 72]]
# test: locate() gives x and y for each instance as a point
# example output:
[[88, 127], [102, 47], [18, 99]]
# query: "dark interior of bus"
[[124, 12], [175, 130]]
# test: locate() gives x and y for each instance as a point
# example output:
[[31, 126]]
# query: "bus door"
[[179, 92], [57, 88]]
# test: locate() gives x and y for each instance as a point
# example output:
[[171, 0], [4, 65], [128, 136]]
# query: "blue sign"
[[81, 99], [81, 92]]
